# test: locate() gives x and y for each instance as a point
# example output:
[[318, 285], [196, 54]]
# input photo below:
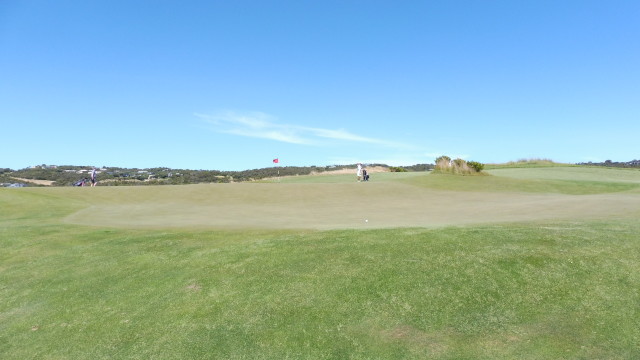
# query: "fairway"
[[338, 202], [580, 173], [522, 264], [320, 180]]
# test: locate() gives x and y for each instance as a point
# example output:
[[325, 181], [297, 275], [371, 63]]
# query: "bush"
[[459, 162], [444, 164], [443, 158], [478, 167]]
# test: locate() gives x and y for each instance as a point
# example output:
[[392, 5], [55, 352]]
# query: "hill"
[[67, 175], [337, 201]]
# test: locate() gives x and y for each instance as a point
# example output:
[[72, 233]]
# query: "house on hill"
[[13, 185]]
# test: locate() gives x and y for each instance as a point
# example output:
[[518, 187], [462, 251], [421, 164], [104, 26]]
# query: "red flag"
[[275, 161]]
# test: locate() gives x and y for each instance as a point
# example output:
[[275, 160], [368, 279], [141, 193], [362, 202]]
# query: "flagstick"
[[277, 162]]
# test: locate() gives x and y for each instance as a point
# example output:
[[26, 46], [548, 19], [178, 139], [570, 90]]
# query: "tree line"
[[67, 175], [609, 163]]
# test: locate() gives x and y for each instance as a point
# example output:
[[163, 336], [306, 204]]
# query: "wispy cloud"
[[257, 125], [264, 126]]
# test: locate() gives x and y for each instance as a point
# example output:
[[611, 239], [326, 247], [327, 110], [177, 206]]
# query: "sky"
[[232, 85]]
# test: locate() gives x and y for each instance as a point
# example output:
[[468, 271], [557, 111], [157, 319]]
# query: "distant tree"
[[419, 167]]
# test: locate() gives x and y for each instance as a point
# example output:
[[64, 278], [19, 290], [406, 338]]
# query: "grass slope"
[[550, 180], [339, 202], [530, 290]]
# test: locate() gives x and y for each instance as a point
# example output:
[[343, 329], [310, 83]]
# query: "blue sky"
[[231, 85]]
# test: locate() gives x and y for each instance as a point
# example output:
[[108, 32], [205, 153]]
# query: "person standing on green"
[[94, 181]]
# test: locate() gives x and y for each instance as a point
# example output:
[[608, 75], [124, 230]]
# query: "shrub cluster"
[[444, 164], [478, 167]]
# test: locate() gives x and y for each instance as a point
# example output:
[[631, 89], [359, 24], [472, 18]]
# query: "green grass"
[[522, 290], [527, 163], [330, 178], [560, 180], [575, 173]]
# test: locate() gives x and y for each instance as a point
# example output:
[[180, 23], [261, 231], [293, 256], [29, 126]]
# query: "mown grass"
[[538, 290], [328, 178], [548, 291], [556, 179], [575, 173], [528, 163], [531, 177]]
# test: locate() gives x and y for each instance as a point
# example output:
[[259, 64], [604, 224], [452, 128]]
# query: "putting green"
[[326, 205]]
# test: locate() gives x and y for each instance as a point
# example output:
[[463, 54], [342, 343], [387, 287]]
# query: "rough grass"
[[575, 174], [531, 289], [528, 163]]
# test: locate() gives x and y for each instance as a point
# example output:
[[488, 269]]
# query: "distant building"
[[13, 185]]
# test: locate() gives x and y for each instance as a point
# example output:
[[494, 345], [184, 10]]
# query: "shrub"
[[443, 158], [478, 167], [459, 162], [444, 164]]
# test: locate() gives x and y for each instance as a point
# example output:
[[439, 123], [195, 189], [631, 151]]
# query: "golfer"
[[359, 172], [93, 177]]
